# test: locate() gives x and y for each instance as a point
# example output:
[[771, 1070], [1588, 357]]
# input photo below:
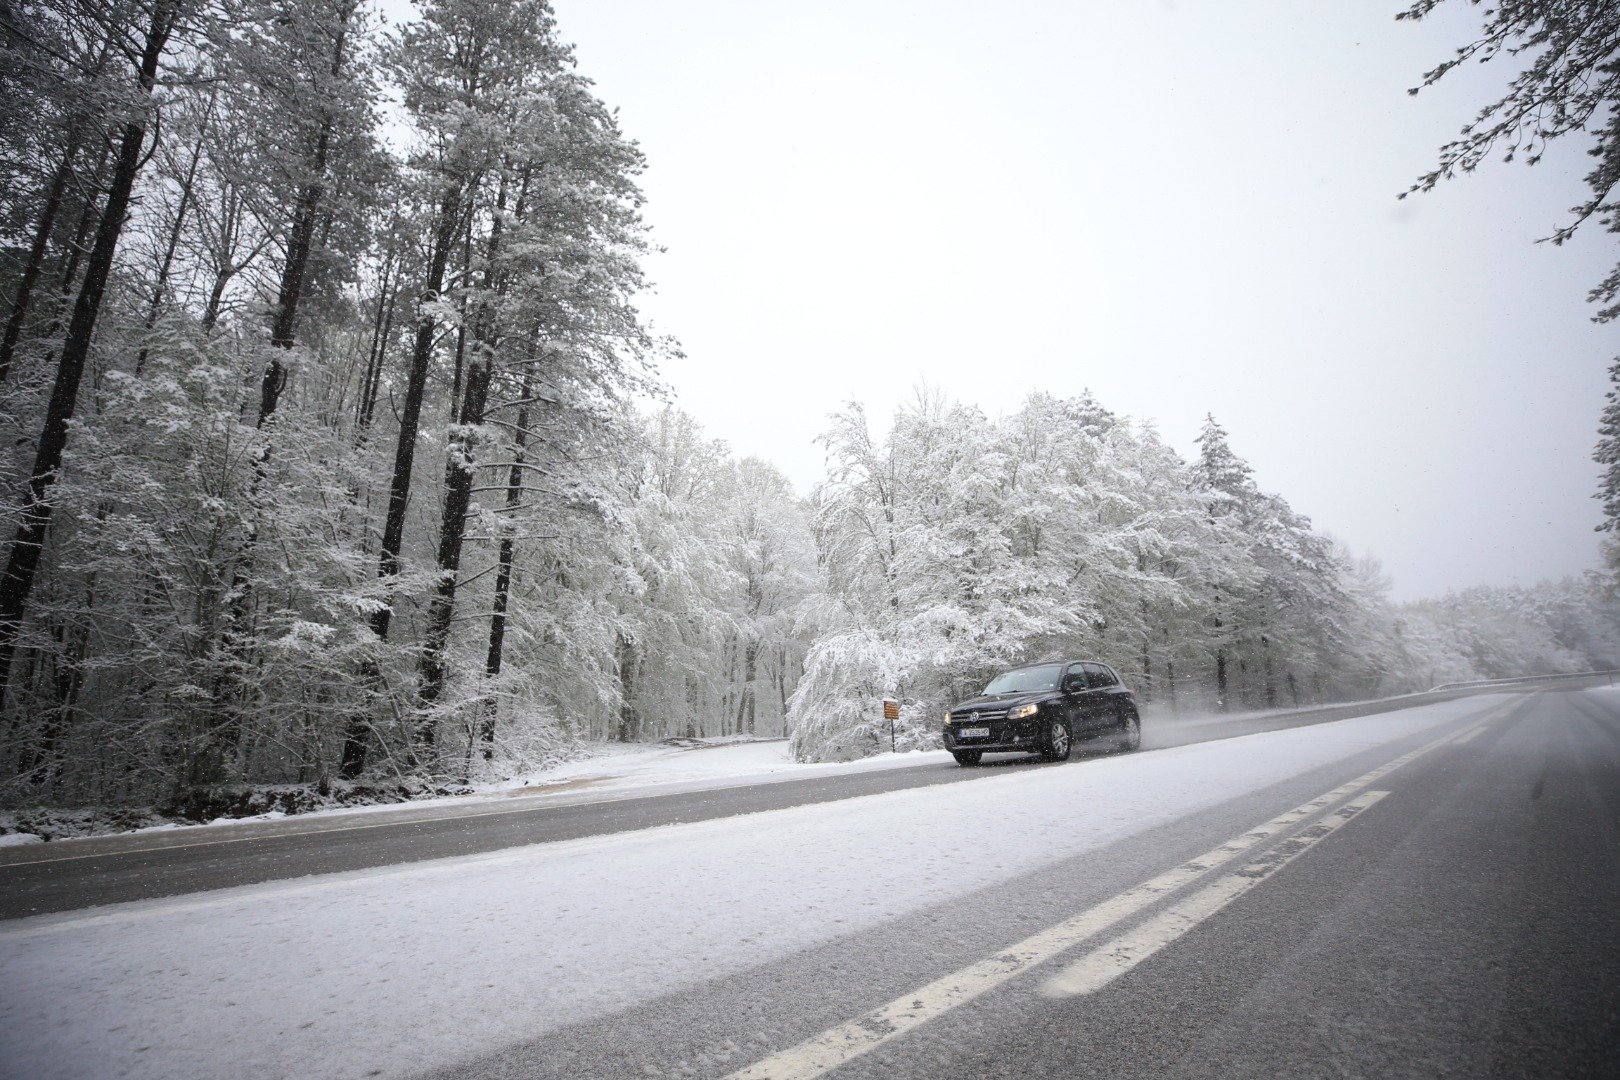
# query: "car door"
[[1110, 696], [1077, 698], [1093, 703]]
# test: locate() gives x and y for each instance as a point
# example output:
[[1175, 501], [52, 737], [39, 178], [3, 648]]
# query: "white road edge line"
[[1108, 962], [821, 1053]]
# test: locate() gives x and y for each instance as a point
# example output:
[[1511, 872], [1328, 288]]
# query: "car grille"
[[985, 716]]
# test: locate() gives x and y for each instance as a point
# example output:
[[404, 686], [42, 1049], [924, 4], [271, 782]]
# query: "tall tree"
[[22, 563], [1570, 86], [1226, 484]]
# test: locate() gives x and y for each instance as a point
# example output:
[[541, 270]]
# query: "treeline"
[[327, 454], [317, 385], [962, 544]]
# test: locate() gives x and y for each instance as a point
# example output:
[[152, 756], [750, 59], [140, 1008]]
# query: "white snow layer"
[[396, 970]]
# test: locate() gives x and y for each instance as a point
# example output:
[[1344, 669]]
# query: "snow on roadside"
[[403, 968], [658, 764], [613, 769]]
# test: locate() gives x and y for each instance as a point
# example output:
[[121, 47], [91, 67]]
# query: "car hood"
[[1000, 701]]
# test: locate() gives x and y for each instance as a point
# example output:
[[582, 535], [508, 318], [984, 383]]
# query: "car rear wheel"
[[1058, 742], [1130, 736], [966, 757]]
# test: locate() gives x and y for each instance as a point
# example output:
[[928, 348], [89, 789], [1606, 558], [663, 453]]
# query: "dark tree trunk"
[[781, 685], [459, 473], [629, 721], [503, 573], [22, 565], [1270, 678], [216, 297], [1147, 670], [54, 198], [460, 369], [300, 242], [746, 705], [357, 732], [382, 327], [166, 265], [410, 419], [283, 335], [86, 220], [461, 466]]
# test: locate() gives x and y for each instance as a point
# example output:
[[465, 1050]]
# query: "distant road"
[[50, 878]]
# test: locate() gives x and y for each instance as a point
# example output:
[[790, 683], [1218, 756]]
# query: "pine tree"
[[1570, 86], [22, 563], [1607, 454]]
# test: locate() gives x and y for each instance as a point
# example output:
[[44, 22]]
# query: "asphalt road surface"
[[1444, 904], [1449, 906], [43, 879]]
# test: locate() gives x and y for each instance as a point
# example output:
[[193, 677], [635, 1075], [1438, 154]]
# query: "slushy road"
[[1456, 914], [87, 873]]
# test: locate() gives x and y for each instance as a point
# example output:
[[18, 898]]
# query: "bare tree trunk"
[[458, 482], [300, 243], [781, 685], [167, 264], [22, 565], [461, 331], [353, 761], [87, 219], [410, 420], [629, 721], [503, 574], [461, 466], [382, 327], [1270, 678], [283, 335], [54, 198]]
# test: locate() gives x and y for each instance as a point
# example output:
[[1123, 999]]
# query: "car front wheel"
[[966, 758], [1058, 742]]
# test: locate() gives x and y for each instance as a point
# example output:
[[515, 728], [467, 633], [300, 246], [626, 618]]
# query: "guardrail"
[[1523, 679]]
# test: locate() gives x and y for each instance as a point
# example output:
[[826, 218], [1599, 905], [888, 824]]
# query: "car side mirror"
[[1074, 684]]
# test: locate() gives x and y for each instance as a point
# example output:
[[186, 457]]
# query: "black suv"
[[1043, 709]]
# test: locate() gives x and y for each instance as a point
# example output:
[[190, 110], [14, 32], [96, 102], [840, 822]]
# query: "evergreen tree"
[[1607, 454], [1570, 86]]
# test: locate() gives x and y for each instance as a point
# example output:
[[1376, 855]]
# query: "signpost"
[[891, 713]]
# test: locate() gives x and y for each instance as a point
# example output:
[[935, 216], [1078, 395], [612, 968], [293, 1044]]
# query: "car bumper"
[[1003, 737]]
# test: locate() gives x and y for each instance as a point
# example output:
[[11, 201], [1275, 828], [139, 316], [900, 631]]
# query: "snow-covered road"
[[391, 971]]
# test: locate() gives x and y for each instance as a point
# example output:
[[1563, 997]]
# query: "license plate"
[[973, 733]]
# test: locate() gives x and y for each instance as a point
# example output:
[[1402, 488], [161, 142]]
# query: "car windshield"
[[1025, 680]]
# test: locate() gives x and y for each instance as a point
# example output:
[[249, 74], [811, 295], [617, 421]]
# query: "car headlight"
[[947, 718], [1022, 711]]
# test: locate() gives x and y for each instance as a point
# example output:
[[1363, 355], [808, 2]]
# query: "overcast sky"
[[1186, 207]]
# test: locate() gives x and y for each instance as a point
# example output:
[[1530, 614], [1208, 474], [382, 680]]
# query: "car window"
[[1026, 680], [1098, 675], [1078, 671]]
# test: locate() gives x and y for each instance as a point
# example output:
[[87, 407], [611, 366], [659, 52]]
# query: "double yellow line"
[[1102, 965]]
